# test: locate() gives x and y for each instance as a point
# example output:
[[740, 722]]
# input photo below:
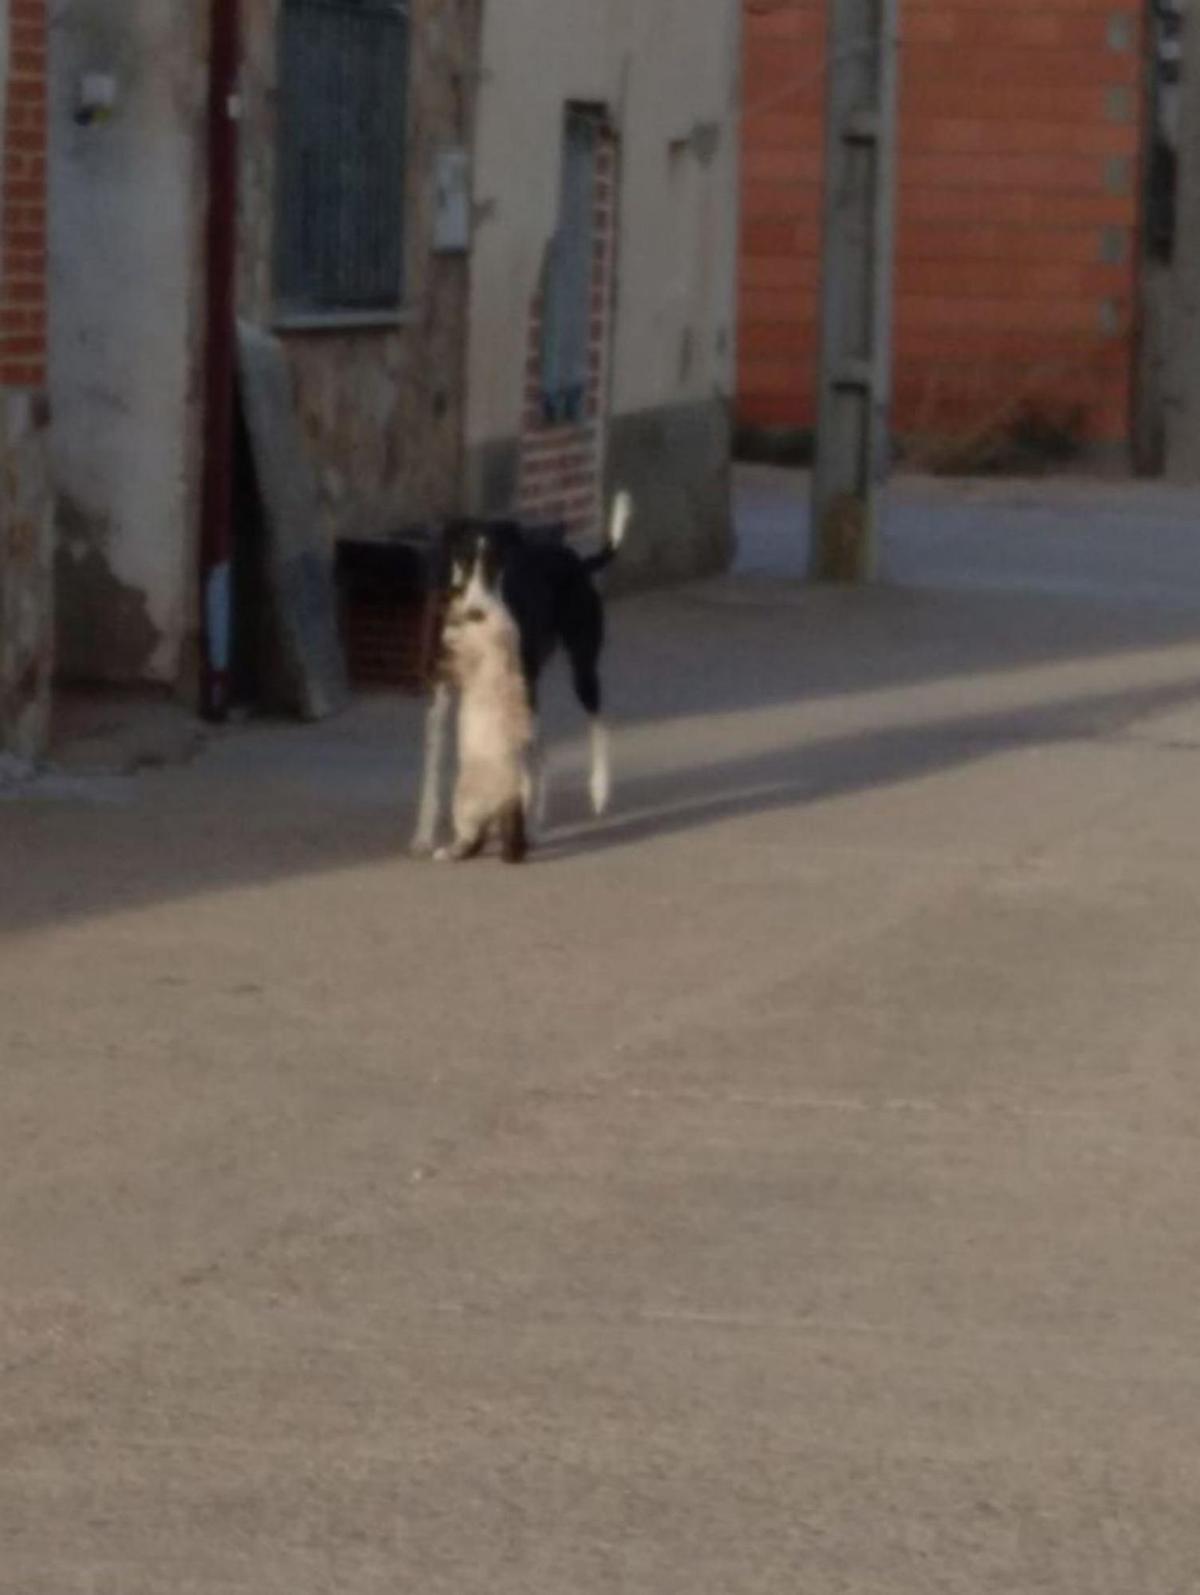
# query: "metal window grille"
[[342, 156], [566, 312]]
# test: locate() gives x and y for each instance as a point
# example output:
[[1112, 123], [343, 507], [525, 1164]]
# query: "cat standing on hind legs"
[[495, 731]]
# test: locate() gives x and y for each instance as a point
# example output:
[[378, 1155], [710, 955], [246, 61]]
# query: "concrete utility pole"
[[855, 378]]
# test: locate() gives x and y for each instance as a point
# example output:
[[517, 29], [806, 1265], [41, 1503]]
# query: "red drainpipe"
[[220, 364]]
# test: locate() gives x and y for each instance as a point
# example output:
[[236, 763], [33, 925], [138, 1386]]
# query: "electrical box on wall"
[[96, 98], [452, 202]]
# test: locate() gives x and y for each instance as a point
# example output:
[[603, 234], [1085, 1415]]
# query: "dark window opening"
[[342, 159], [567, 307]]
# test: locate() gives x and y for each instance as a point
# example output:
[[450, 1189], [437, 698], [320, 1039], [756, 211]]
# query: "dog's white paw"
[[421, 847], [600, 785], [444, 855]]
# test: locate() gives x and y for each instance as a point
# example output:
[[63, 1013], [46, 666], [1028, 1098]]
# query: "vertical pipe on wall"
[[220, 375]]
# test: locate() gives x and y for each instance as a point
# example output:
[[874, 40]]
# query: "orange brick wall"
[[23, 202], [1018, 219]]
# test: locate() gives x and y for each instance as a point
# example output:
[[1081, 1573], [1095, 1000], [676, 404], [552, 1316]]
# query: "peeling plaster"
[[98, 615]]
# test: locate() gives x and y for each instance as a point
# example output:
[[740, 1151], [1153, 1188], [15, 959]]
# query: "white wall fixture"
[[97, 98], [452, 202]]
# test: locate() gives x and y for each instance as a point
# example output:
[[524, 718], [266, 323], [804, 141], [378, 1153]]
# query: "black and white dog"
[[549, 591]]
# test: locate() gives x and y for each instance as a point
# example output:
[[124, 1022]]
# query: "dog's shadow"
[[575, 836], [843, 766]]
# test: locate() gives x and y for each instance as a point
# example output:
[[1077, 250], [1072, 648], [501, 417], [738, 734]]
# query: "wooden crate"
[[388, 612]]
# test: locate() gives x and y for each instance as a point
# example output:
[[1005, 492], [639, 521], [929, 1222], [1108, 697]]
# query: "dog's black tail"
[[618, 524]]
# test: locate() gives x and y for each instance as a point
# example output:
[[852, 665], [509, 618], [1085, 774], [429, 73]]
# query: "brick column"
[[26, 503], [23, 262]]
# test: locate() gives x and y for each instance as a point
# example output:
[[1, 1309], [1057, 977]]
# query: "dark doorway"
[[1164, 34]]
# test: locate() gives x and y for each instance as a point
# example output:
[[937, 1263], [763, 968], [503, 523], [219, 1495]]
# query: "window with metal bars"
[[343, 82], [567, 304]]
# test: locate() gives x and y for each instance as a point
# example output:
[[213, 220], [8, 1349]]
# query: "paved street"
[[788, 1185]]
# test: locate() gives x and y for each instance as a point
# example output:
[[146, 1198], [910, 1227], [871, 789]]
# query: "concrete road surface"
[[791, 1184]]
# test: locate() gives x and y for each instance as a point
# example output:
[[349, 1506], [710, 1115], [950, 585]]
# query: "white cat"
[[495, 730]]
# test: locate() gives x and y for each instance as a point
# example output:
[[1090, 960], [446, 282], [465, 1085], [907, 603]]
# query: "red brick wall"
[[561, 465], [23, 213], [1019, 208]]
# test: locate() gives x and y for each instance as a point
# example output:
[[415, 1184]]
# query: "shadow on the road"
[[739, 645], [286, 803], [843, 766]]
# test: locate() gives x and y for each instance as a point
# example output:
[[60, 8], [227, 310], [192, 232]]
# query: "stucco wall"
[[668, 75], [126, 242]]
